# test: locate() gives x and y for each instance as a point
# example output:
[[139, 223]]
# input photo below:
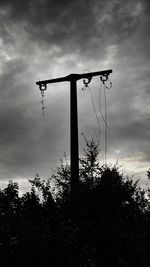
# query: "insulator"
[[104, 78], [88, 80], [42, 87]]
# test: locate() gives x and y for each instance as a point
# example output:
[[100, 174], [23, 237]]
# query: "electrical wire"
[[100, 109], [97, 119], [104, 118]]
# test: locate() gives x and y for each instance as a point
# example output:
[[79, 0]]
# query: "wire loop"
[[104, 78]]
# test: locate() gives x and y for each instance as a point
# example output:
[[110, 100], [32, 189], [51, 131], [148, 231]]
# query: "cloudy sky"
[[41, 39]]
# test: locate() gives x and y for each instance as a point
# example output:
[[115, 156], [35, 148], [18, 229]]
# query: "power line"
[[100, 108], [96, 115], [104, 117]]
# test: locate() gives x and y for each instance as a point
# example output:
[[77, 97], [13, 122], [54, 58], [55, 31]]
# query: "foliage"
[[148, 174], [106, 223]]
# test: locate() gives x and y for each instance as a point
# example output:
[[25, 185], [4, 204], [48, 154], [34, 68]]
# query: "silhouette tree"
[[148, 174], [106, 223], [110, 206]]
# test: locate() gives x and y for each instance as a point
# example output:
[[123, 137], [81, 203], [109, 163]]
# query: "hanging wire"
[[42, 88], [43, 107], [86, 85], [100, 108], [96, 115], [104, 79]]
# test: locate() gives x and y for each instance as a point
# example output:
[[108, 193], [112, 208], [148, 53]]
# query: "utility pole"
[[74, 146]]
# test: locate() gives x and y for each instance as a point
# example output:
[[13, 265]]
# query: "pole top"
[[75, 77]]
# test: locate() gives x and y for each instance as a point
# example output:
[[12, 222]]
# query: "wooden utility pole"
[[74, 146]]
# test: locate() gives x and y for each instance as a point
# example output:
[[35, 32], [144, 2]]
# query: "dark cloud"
[[76, 26], [53, 22], [44, 39]]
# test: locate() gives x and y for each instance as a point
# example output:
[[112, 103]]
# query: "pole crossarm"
[[75, 77]]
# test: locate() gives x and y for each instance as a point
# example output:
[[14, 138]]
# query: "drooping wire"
[[100, 108], [42, 102], [104, 79], [103, 116], [96, 115], [86, 85], [42, 88]]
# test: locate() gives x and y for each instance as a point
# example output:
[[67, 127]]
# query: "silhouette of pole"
[[74, 146]]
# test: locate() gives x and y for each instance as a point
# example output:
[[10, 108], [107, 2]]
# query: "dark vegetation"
[[106, 223]]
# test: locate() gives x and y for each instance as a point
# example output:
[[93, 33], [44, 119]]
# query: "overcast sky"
[[41, 39]]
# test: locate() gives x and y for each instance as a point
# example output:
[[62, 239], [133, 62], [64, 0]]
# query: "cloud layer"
[[46, 39]]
